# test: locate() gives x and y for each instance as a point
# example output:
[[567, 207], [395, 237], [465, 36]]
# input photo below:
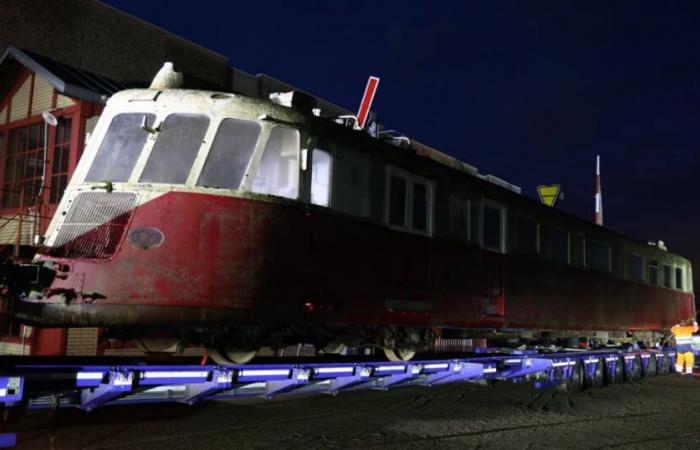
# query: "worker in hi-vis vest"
[[683, 333]]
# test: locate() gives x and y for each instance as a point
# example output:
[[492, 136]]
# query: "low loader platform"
[[66, 385]]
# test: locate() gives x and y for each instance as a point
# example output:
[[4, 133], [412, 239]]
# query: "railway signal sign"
[[549, 193], [367, 100]]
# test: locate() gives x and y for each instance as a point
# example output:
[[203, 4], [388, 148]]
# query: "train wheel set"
[[33, 387]]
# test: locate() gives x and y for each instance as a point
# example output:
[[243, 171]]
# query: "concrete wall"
[[98, 38]]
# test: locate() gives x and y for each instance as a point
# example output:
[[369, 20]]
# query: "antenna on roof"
[[598, 194]]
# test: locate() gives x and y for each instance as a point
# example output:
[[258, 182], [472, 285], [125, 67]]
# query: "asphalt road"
[[658, 412]]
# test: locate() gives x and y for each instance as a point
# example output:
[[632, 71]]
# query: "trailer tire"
[[665, 365], [599, 375], [635, 372], [578, 376], [616, 375], [652, 367]]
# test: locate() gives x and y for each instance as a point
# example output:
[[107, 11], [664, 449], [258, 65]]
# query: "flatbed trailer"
[[30, 386]]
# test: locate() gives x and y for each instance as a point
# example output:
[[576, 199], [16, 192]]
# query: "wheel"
[[635, 372], [617, 374], [665, 365], [599, 375], [652, 367], [231, 356], [576, 381], [398, 355], [335, 348], [157, 345]]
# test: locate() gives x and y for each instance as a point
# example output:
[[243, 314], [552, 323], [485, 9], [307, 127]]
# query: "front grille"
[[94, 225]]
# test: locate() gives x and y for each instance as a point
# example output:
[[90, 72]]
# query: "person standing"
[[683, 333]]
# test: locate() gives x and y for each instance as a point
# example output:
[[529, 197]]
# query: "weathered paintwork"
[[247, 261]]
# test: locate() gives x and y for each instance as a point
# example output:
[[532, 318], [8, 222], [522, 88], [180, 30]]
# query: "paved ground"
[[655, 413]]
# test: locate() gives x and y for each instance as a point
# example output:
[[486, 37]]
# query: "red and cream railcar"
[[239, 223]]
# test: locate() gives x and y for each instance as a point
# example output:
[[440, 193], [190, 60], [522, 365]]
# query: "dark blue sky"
[[528, 91]]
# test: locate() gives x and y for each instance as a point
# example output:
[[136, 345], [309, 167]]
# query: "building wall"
[[95, 37]]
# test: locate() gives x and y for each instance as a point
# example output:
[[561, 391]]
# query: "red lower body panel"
[[242, 261]]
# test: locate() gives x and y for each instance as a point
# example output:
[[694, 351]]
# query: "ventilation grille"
[[94, 225]]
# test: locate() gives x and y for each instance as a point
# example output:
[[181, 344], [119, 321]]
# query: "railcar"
[[239, 223]]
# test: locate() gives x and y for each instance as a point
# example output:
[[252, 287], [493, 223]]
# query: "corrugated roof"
[[67, 80]]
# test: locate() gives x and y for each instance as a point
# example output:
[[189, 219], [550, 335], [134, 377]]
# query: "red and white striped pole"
[[598, 194], [366, 102]]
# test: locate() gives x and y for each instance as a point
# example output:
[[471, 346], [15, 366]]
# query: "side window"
[[278, 173], [679, 278], [493, 229], [578, 251], [176, 147], [459, 217], [526, 236], [321, 170], [397, 201], [120, 148], [654, 273], [600, 256], [230, 154], [636, 267], [409, 199], [559, 246], [667, 276]]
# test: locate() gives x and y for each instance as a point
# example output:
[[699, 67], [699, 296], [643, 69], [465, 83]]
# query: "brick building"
[[77, 54]]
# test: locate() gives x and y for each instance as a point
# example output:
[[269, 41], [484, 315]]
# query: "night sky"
[[527, 91]]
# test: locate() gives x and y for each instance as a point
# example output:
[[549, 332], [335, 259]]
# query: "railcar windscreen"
[[175, 149], [229, 154], [278, 173], [120, 148]]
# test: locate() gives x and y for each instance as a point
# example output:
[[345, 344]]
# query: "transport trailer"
[[53, 386]]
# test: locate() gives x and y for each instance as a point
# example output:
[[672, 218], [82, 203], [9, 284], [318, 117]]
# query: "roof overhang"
[[67, 80]]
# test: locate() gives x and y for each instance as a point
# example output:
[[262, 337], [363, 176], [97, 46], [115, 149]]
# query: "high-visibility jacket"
[[684, 337]]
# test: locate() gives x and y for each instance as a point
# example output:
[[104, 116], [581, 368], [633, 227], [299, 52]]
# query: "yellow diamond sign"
[[549, 193]]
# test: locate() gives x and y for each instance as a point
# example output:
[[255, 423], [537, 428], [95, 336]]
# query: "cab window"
[[120, 148], [230, 153], [176, 146], [278, 173]]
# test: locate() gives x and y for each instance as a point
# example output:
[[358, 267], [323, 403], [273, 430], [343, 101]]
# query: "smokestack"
[[598, 194]]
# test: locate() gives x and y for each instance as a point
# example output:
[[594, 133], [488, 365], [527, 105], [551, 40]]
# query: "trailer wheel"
[[652, 367], [231, 356], [616, 375], [576, 382], [635, 372], [399, 354], [665, 365], [599, 375]]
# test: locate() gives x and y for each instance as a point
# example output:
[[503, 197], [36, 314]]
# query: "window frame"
[[516, 235], [593, 242], [410, 179], [550, 236], [308, 160], [643, 263], [653, 263], [503, 224]]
